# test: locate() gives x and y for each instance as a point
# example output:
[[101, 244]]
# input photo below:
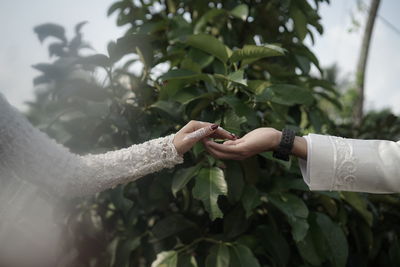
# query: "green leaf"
[[394, 253], [241, 256], [218, 257], [188, 94], [120, 201], [170, 88], [219, 69], [306, 53], [241, 108], [134, 43], [57, 49], [300, 23], [254, 52], [172, 109], [250, 199], [201, 58], [46, 30], [316, 118], [153, 27], [123, 252], [269, 155], [182, 177], [179, 74], [296, 211], [237, 77], [199, 107], [274, 244], [171, 6], [96, 60], [79, 26], [232, 121], [171, 225], [304, 64], [210, 184], [240, 11], [210, 45], [324, 84], [186, 75], [83, 88], [251, 169], [335, 240], [332, 99], [308, 251], [41, 79], [114, 7], [234, 179], [359, 204], [299, 228], [286, 94], [179, 27], [188, 64], [257, 86], [235, 223], [111, 47], [166, 259], [186, 260], [209, 16]]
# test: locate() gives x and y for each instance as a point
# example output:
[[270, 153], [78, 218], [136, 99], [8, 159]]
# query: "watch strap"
[[286, 144]]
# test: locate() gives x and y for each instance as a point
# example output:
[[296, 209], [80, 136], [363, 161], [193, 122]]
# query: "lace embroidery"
[[31, 163], [345, 163], [39, 160]]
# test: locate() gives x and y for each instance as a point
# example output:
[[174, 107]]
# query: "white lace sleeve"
[[335, 163], [28, 154]]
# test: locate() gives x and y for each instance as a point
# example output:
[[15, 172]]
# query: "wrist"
[[300, 147], [178, 146], [276, 140]]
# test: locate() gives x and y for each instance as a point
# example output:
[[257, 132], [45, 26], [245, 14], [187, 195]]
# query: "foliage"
[[242, 64]]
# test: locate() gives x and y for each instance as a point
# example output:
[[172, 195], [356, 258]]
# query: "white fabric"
[[335, 163], [32, 165]]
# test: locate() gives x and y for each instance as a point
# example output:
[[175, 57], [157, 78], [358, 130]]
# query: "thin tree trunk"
[[362, 61]]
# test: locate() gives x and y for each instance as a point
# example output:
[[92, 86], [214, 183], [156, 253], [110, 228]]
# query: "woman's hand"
[[195, 131], [254, 142]]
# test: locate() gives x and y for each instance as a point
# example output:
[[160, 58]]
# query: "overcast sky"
[[19, 48]]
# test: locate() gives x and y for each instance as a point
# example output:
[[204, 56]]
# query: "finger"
[[220, 155], [201, 133], [220, 133], [233, 148], [195, 125], [224, 134]]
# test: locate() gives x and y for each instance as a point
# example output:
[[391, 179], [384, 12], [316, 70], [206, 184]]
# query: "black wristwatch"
[[286, 144]]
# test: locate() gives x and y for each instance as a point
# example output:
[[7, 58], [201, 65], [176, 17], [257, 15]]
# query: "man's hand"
[[257, 141]]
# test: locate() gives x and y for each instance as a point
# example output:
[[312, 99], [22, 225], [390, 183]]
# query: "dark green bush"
[[244, 65]]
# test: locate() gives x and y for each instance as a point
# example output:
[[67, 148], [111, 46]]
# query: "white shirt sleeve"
[[335, 163], [30, 155]]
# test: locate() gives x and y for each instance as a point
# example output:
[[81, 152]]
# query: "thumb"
[[201, 133]]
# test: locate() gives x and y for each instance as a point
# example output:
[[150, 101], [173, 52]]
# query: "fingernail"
[[214, 126], [233, 136]]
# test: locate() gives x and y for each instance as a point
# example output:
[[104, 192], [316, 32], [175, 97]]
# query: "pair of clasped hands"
[[254, 142]]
